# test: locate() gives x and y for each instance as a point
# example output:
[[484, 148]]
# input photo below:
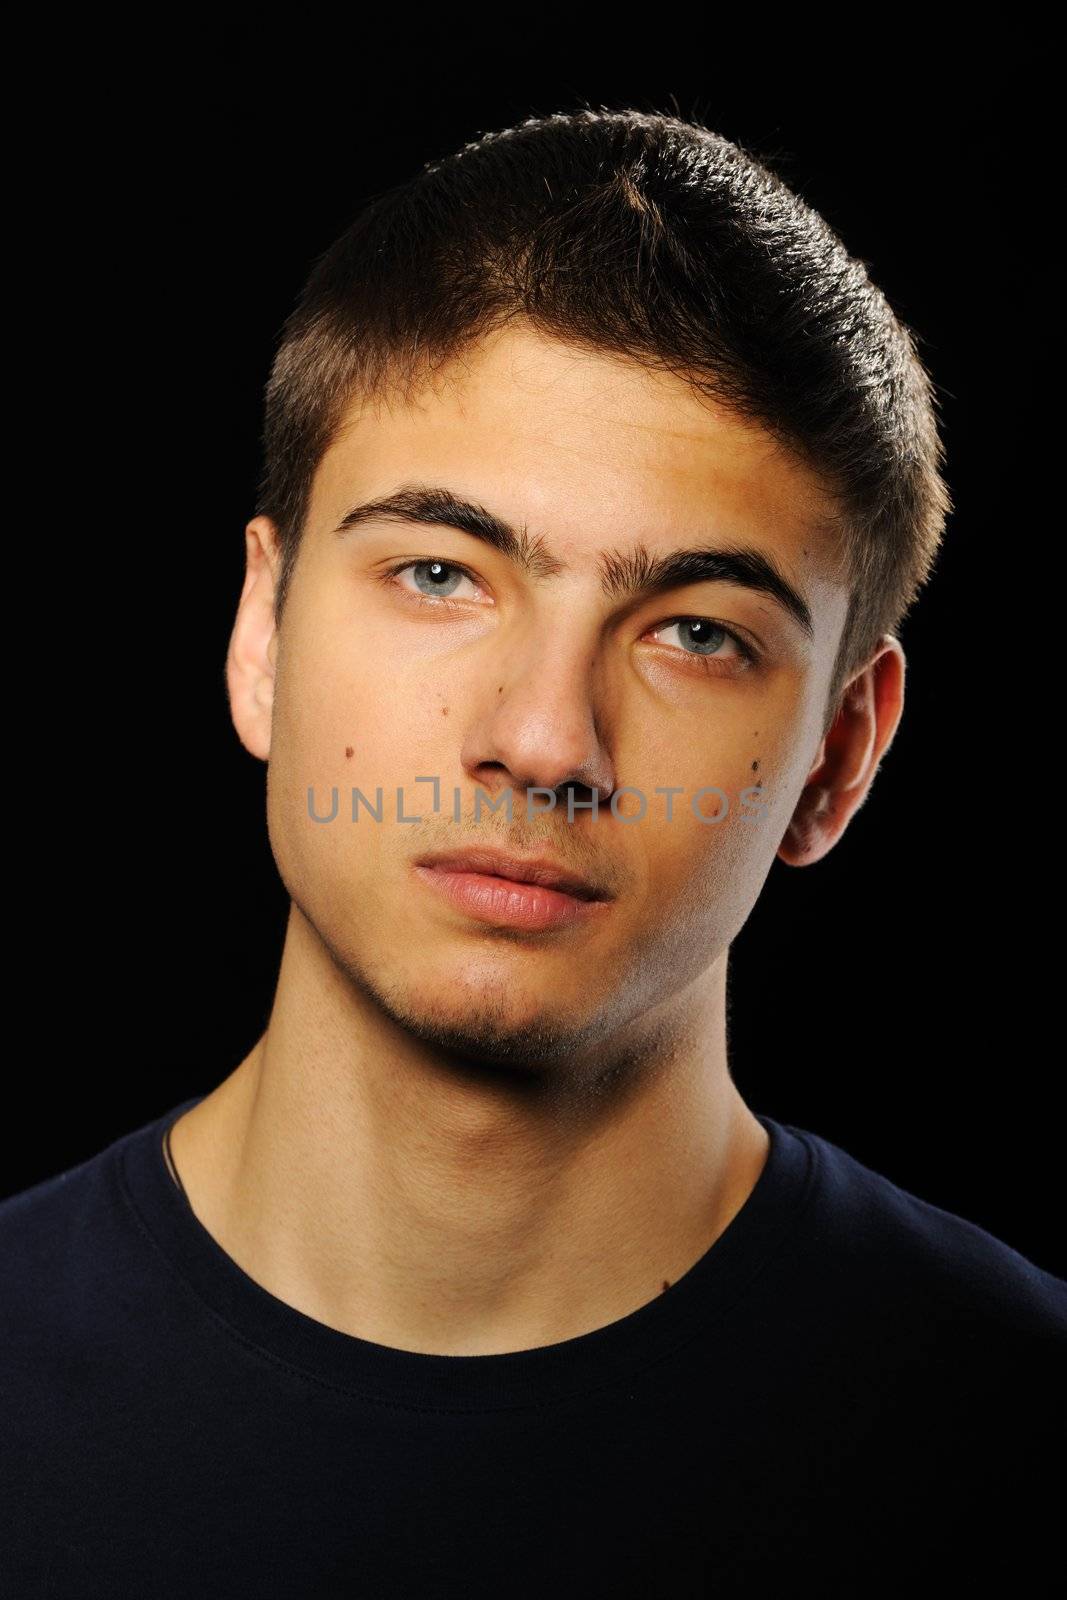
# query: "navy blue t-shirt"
[[852, 1390]]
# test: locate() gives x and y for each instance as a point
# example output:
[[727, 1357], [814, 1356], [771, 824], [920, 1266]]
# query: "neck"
[[433, 1206]]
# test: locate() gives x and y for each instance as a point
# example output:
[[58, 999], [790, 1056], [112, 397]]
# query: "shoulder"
[[891, 1242], [51, 1224], [945, 1348], [66, 1247], [35, 1221]]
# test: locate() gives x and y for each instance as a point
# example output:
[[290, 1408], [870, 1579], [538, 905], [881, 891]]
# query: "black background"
[[172, 194]]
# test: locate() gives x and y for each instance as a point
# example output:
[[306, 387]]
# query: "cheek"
[[706, 762], [339, 725], [345, 715], [709, 873]]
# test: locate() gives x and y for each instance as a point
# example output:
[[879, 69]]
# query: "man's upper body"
[[598, 477], [850, 1388]]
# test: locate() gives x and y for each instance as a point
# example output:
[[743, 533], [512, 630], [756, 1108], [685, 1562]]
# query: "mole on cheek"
[[666, 1284], [348, 751], [755, 766], [444, 711]]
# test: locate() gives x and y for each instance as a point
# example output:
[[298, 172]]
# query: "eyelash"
[[390, 575]]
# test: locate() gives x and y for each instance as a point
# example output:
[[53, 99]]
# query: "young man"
[[598, 478]]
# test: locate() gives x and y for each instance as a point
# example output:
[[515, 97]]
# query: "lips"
[[539, 870]]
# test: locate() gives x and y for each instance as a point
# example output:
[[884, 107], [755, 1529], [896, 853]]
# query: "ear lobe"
[[810, 834]]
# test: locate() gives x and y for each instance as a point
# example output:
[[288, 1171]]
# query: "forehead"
[[585, 448]]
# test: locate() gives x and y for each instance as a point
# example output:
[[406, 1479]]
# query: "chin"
[[501, 1034], [471, 1012]]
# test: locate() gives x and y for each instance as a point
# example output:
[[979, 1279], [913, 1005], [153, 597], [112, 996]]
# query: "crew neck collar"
[[700, 1299]]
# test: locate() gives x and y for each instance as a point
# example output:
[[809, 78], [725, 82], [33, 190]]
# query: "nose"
[[540, 722]]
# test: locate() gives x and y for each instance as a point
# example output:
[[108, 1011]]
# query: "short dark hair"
[[647, 235]]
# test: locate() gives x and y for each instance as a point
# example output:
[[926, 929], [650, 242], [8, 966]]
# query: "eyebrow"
[[623, 576]]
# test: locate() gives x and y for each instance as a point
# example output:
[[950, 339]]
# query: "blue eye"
[[432, 577], [707, 638]]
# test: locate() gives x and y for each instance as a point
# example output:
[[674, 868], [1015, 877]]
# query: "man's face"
[[489, 672]]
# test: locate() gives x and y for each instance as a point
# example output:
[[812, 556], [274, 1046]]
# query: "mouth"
[[539, 870], [531, 893]]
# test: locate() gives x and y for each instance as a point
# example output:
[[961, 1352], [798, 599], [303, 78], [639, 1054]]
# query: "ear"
[[849, 756], [252, 652]]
